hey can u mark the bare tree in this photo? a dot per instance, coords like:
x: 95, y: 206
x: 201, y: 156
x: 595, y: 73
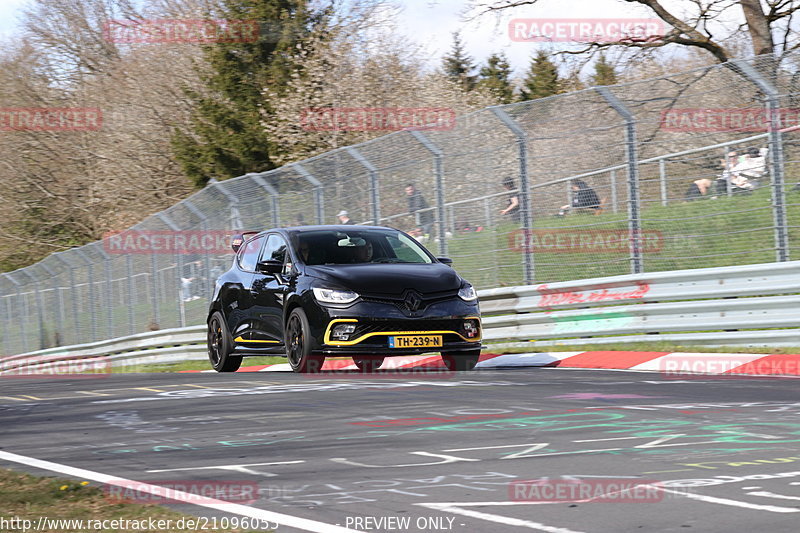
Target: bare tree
x: 767, y: 23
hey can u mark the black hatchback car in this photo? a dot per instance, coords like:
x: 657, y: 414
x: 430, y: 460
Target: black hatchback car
x: 365, y: 292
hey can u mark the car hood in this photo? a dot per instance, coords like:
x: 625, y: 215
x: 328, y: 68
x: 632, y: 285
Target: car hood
x: 388, y: 278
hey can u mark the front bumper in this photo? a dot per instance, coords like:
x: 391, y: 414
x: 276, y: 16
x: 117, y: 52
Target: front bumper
x: 374, y: 323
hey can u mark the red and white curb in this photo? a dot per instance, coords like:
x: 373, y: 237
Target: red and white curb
x: 673, y: 364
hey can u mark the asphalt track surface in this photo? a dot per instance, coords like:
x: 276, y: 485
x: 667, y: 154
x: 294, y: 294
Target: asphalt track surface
x: 435, y: 451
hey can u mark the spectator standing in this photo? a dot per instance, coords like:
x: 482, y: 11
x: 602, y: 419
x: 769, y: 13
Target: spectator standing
x: 416, y: 202
x: 344, y: 218
x: 512, y: 208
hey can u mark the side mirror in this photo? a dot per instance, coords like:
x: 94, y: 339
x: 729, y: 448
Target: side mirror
x: 269, y: 267
x: 445, y: 260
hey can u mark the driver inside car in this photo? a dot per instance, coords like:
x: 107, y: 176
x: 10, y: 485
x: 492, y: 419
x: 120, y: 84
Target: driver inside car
x: 363, y: 254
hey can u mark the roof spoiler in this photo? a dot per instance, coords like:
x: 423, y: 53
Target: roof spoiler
x: 238, y: 239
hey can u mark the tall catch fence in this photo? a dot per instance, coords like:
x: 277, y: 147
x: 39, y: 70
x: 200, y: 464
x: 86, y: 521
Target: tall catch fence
x: 639, y: 146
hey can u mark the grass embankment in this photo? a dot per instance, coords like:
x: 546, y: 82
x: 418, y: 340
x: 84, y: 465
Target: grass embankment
x: 27, y: 497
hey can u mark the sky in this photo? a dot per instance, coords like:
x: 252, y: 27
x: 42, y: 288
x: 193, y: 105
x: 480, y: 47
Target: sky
x: 431, y: 23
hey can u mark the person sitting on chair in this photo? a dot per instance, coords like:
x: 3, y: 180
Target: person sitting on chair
x: 583, y: 197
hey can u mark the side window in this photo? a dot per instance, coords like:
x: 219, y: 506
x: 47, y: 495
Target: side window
x: 248, y: 256
x: 275, y: 250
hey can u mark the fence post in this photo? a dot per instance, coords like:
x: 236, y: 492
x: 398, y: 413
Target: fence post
x: 662, y: 176
x: 318, y: 195
x: 273, y: 193
x: 92, y: 299
x: 73, y: 296
x: 109, y: 290
x: 634, y: 223
x: 614, y: 204
x: 233, y: 205
x: 131, y: 298
x: 439, y: 176
x: 776, y: 155
x: 21, y: 323
x: 206, y: 259
x: 524, y: 187
x: 58, y: 312
x: 373, y: 183
x: 178, y: 270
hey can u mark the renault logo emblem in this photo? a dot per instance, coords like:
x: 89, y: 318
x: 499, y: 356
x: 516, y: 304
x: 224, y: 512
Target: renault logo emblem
x: 413, y: 301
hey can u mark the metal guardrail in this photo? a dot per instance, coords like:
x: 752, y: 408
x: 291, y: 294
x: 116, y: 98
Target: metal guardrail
x: 756, y: 305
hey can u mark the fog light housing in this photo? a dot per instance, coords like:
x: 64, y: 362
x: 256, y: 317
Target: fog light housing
x: 471, y: 329
x: 342, y: 332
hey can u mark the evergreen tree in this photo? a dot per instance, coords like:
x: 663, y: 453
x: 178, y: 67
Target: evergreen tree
x: 227, y: 138
x: 542, y: 78
x: 496, y: 76
x: 458, y: 66
x: 604, y: 73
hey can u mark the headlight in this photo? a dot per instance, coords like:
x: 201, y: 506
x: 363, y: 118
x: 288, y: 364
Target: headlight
x: 332, y: 296
x: 467, y: 293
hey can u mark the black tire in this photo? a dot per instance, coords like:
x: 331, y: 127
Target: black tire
x: 297, y: 339
x: 220, y: 345
x: 461, y: 361
x: 368, y: 364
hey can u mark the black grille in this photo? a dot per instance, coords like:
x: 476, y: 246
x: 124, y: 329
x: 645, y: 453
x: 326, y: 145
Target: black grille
x: 365, y: 328
x: 401, y: 303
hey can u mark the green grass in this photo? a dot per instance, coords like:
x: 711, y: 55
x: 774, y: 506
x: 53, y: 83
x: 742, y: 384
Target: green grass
x: 30, y: 497
x: 193, y: 365
x: 704, y: 233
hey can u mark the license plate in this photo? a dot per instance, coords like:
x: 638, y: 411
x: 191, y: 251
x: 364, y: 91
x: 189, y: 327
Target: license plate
x: 415, y: 341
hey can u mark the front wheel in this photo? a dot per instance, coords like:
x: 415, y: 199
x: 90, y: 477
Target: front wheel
x: 220, y: 345
x: 461, y: 361
x: 298, y: 344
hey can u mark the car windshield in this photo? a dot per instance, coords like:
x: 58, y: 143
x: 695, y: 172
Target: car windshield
x: 353, y: 246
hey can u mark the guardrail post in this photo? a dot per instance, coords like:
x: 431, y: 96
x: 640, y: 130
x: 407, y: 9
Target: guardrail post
x: 526, y: 209
x: 438, y: 155
x: 273, y: 193
x: 318, y: 195
x: 775, y: 154
x: 58, y: 312
x: 178, y: 269
x: 21, y: 323
x: 373, y: 183
x: 634, y: 223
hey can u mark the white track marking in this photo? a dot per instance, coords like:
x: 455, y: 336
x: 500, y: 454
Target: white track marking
x: 727, y: 501
x: 226, y: 507
x: 506, y: 520
x: 245, y: 469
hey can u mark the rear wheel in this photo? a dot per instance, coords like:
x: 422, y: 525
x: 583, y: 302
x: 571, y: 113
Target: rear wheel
x: 461, y: 361
x: 298, y: 344
x: 368, y: 364
x: 220, y: 345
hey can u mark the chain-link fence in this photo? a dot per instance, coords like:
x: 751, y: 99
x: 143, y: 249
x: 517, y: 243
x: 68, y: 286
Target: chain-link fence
x: 639, y: 177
